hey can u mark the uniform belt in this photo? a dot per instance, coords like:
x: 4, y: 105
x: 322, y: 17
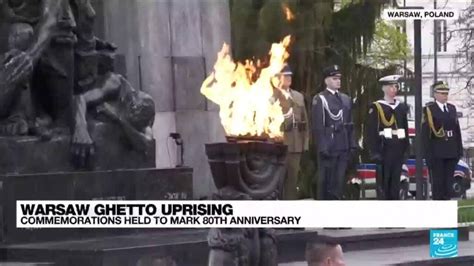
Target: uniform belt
x: 399, y: 133
x: 336, y: 128
x: 301, y: 126
x: 449, y: 133
x: 394, y: 133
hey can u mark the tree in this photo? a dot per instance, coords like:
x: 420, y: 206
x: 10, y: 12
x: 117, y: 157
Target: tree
x: 389, y: 47
x: 321, y: 36
x: 465, y: 59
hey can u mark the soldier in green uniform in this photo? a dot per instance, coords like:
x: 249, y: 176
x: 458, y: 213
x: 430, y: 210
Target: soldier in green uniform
x: 296, y: 135
x: 442, y: 141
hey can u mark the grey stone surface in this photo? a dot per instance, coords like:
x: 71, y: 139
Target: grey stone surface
x: 186, y: 38
x: 189, y: 247
x: 154, y: 31
x: 387, y: 256
x: 29, y: 155
x: 190, y: 33
x: 197, y: 128
x: 158, y: 80
x: 142, y: 184
x: 154, y: 26
x: 166, y: 153
x: 215, y: 128
x: 193, y: 126
x: 185, y: 246
x: 26, y: 264
x: 188, y: 74
x: 121, y: 27
x: 215, y: 29
x: 215, y: 32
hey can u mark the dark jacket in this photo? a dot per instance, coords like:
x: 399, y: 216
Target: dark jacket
x: 446, y: 144
x: 376, y: 143
x: 332, y: 136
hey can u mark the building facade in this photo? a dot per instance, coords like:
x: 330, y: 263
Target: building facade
x: 452, y: 65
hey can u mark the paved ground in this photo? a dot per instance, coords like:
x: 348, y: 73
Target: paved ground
x: 389, y: 256
x: 470, y: 192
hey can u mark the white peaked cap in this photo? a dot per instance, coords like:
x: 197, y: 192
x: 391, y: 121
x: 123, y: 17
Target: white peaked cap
x: 392, y: 79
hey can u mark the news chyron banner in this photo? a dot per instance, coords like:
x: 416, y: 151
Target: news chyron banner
x: 238, y: 214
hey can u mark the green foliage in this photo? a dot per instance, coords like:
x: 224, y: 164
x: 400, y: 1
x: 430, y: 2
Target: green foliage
x: 466, y: 211
x: 389, y: 46
x: 320, y: 37
x: 244, y: 24
x: 354, y: 26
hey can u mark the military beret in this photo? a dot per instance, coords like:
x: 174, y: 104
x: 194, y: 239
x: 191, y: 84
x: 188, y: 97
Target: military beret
x: 332, y: 70
x: 440, y: 86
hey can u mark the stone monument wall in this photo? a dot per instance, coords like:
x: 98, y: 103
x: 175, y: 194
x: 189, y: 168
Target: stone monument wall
x: 169, y: 47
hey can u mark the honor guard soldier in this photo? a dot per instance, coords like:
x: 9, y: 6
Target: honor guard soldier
x: 332, y: 130
x: 387, y: 138
x: 442, y: 141
x: 296, y: 132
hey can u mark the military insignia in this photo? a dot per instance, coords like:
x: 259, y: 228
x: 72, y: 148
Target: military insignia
x: 315, y: 100
x: 371, y: 110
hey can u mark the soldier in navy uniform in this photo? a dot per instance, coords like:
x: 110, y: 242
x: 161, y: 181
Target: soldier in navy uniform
x: 442, y: 141
x: 332, y: 130
x: 387, y: 138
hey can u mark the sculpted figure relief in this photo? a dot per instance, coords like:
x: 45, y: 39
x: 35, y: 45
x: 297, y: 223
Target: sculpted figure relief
x: 25, y: 48
x: 107, y: 94
x: 118, y: 102
x: 56, y: 75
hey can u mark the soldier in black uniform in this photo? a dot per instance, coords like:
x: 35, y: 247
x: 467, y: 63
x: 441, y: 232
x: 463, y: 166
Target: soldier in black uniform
x: 442, y: 141
x: 332, y: 130
x: 387, y: 138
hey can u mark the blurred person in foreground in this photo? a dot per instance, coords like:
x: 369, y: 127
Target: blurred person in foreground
x: 324, y: 254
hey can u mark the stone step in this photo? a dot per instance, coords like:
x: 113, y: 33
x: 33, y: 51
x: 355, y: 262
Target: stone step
x: 189, y: 246
x: 404, y: 255
x: 458, y: 261
x: 185, y: 247
x: 12, y: 263
x: 137, y: 184
x: 367, y: 239
x: 30, y: 155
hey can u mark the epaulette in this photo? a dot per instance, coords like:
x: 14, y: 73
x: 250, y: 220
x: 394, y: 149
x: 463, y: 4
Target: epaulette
x: 429, y: 103
x: 297, y: 94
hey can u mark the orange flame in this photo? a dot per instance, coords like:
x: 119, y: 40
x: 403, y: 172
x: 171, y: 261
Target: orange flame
x: 247, y: 105
x: 289, y: 15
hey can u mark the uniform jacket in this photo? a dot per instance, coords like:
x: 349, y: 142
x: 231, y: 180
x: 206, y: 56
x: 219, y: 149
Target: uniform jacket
x: 332, y: 136
x: 375, y: 142
x: 295, y: 126
x: 447, y: 146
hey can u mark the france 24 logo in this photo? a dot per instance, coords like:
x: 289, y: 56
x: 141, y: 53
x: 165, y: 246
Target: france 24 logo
x: 443, y: 243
